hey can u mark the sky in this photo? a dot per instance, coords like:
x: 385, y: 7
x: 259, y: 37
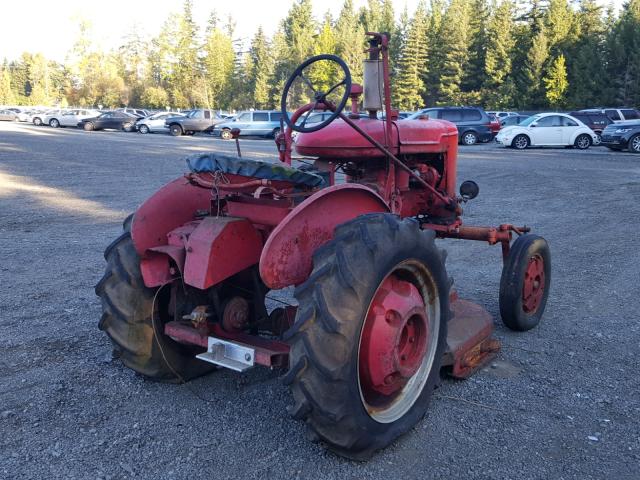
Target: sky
x: 50, y: 27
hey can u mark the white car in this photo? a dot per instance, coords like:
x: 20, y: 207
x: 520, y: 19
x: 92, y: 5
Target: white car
x: 47, y: 116
x: 502, y: 115
x: 21, y: 113
x: 155, y: 122
x: 70, y: 118
x: 547, y: 129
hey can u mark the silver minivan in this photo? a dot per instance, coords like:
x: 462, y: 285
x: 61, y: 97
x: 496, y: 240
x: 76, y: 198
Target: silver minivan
x: 264, y: 123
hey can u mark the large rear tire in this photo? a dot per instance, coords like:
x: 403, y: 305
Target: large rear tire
x: 127, y: 309
x: 334, y: 338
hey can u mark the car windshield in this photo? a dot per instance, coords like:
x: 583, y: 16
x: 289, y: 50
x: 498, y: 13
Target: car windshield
x: 530, y: 120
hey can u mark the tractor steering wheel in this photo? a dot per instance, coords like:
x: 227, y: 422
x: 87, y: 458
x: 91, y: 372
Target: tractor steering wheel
x: 317, y: 97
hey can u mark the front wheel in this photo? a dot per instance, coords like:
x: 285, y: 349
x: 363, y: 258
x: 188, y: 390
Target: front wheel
x: 127, y: 127
x: 520, y: 142
x: 598, y: 140
x: 275, y: 133
x: 525, y: 281
x: 583, y: 142
x: 37, y: 121
x: 634, y: 144
x: 88, y: 126
x: 54, y: 123
x: 175, y: 130
x: 369, y: 335
x: 143, y: 129
x: 225, y: 134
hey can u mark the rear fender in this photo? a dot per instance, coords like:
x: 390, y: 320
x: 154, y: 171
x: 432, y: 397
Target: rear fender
x: 170, y: 207
x: 287, y: 257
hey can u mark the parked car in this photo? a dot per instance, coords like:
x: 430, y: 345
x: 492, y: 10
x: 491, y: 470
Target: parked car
x: 616, y: 114
x: 155, y: 122
x: 36, y: 116
x: 108, y: 120
x: 20, y: 112
x: 595, y: 121
x: 512, y: 120
x: 474, y: 125
x: 619, y: 136
x: 70, y: 118
x: 495, y: 125
x: 48, y: 115
x: 136, y: 112
x: 501, y: 115
x: 8, y: 116
x: 198, y: 120
x: 265, y: 123
x: 547, y: 129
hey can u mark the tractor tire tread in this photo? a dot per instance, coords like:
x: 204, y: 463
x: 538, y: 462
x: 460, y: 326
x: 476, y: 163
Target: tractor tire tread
x: 320, y: 350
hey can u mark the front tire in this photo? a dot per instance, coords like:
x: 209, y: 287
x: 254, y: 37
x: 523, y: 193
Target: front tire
x: 525, y: 282
x: 598, y: 139
x: 225, y: 134
x: 175, y: 130
x: 335, y: 365
x: 143, y: 129
x: 127, y: 305
x: 54, y: 123
x: 520, y: 142
x: 88, y: 127
x: 582, y: 142
x: 37, y: 121
x: 275, y: 133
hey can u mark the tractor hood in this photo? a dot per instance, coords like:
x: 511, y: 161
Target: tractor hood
x: 340, y: 141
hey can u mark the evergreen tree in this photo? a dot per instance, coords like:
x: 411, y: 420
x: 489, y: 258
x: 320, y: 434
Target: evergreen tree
x: 624, y: 61
x: 586, y: 71
x: 480, y: 39
x: 454, y: 52
x: 350, y: 41
x: 218, y: 63
x: 6, y: 93
x: 498, y: 84
x: 556, y: 82
x: 262, y: 70
x: 409, y: 86
x: 437, y: 48
x: 535, y: 67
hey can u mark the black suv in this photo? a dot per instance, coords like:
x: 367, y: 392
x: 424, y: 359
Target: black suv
x: 621, y: 135
x: 596, y: 121
x: 474, y: 125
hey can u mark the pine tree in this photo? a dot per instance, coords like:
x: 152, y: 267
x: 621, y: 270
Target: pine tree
x: 535, y: 66
x: 624, y: 61
x: 480, y: 39
x: 409, y: 86
x: 437, y: 48
x: 262, y: 70
x: 498, y: 85
x: 324, y: 74
x: 586, y: 71
x: 218, y: 63
x: 6, y: 93
x: 350, y: 40
x: 555, y: 82
x: 454, y: 52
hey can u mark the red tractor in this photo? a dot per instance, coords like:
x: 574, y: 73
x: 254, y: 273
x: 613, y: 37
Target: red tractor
x: 353, y: 230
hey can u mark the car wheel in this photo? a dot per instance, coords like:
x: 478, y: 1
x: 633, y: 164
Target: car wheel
x: 54, y: 123
x: 37, y: 121
x: 582, y: 142
x: 88, y: 126
x: 469, y: 138
x: 127, y: 127
x: 143, y: 129
x: 634, y: 144
x: 275, y: 133
x: 520, y: 142
x: 226, y: 134
x: 175, y: 130
x: 598, y: 139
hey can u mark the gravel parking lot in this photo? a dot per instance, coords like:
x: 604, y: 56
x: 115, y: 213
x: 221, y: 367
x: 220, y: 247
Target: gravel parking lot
x: 561, y: 401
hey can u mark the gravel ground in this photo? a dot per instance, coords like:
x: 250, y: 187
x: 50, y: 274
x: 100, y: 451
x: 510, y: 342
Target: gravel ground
x: 561, y: 401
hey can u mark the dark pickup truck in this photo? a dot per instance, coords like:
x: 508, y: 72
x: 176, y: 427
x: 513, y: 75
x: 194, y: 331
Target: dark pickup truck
x: 198, y: 120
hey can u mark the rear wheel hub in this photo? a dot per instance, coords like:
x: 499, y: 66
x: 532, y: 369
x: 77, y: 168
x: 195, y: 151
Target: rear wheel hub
x: 394, y: 340
x: 533, y: 286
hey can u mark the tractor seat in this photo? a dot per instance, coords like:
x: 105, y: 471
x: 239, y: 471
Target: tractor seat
x: 216, y: 162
